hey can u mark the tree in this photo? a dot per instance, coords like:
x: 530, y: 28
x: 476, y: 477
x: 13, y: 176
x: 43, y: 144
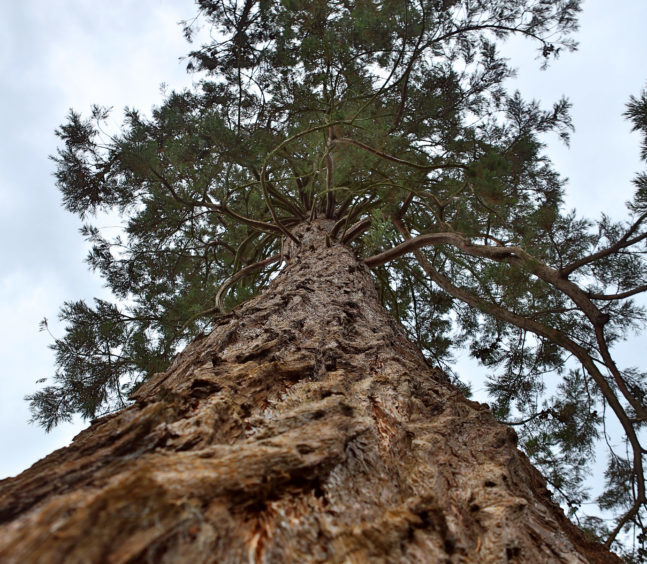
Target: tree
x: 304, y: 427
x: 385, y: 124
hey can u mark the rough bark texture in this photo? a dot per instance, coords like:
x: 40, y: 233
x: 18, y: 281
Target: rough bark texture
x: 304, y: 428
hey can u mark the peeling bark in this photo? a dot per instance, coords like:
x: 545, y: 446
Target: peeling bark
x: 304, y: 428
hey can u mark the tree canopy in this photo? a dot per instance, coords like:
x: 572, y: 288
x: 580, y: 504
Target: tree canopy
x: 392, y: 120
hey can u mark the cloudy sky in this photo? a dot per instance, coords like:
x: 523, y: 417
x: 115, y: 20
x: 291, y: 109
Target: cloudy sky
x: 61, y: 54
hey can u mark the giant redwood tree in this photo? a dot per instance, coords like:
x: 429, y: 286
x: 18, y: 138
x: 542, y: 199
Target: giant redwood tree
x: 348, y: 193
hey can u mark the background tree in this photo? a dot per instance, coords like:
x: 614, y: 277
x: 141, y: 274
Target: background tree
x: 391, y: 120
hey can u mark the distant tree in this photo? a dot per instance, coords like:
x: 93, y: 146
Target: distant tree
x: 391, y: 120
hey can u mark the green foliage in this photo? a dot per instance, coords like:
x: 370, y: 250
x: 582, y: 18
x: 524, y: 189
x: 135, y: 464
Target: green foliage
x: 392, y: 119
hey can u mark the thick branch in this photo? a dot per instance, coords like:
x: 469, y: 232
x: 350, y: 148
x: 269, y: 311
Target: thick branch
x: 356, y: 230
x: 256, y: 224
x: 270, y: 207
x: 512, y: 255
x: 411, y: 245
x: 342, y: 222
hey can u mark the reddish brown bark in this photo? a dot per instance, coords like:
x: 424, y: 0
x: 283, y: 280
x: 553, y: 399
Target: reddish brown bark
x: 304, y: 428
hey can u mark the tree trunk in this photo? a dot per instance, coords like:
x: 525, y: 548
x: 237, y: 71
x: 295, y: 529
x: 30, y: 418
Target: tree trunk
x: 304, y: 428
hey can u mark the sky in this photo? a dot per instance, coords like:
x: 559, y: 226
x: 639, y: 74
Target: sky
x: 62, y: 54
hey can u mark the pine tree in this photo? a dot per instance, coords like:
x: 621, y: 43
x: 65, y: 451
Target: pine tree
x: 386, y: 125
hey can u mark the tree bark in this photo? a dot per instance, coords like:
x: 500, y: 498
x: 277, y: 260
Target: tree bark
x: 304, y: 428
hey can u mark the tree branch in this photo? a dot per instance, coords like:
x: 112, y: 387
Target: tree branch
x: 383, y: 155
x: 288, y: 205
x: 330, y: 172
x: 240, y: 274
x: 356, y: 230
x: 620, y: 295
x: 522, y: 259
x: 622, y: 243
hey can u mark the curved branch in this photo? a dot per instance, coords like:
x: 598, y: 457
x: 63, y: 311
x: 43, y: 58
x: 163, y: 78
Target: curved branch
x: 386, y: 156
x: 241, y: 249
x: 356, y: 230
x: 543, y: 413
x: 195, y: 316
x: 625, y: 519
x: 219, y: 208
x: 263, y: 172
x: 240, y: 274
x: 618, y: 296
x: 256, y: 224
x: 170, y: 188
x: 270, y: 207
x: 338, y: 225
x: 411, y: 245
x: 287, y: 204
x: 330, y: 173
x: 512, y: 255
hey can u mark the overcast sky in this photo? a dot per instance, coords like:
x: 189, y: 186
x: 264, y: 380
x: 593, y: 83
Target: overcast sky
x: 61, y: 54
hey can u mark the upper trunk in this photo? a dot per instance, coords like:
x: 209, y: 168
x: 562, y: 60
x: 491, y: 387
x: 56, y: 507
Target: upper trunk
x: 305, y: 427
